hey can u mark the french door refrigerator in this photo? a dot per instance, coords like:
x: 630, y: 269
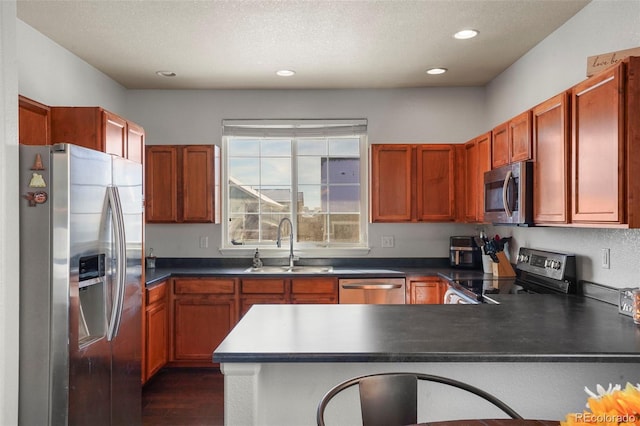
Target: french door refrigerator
x: 81, y: 235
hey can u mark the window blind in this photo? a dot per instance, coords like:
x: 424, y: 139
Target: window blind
x: 294, y: 128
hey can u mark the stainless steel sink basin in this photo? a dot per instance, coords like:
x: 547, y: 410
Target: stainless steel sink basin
x: 290, y: 270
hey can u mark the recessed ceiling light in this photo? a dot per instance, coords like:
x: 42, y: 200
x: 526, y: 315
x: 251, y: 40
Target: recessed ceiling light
x: 434, y: 71
x: 166, y: 73
x: 285, y: 73
x: 465, y: 34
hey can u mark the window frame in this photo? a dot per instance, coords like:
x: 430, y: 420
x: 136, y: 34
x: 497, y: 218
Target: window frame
x: 300, y: 248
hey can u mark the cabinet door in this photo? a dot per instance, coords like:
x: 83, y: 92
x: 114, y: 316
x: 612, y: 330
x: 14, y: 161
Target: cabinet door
x: 500, y: 146
x: 115, y: 134
x: 425, y: 290
x: 314, y: 290
x: 435, y: 182
x: 262, y: 291
x: 551, y: 166
x: 200, y: 325
x: 598, y: 148
x: 155, y: 342
x: 520, y: 137
x: 161, y: 184
x: 391, y: 183
x: 157, y: 338
x: 471, y: 184
x: 246, y: 302
x: 135, y: 142
x: 197, y: 183
x: 484, y: 165
x: 34, y: 122
x: 78, y: 125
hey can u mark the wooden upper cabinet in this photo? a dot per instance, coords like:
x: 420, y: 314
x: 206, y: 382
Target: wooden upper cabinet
x: 161, y: 183
x: 598, y: 147
x: 476, y: 161
x: 197, y: 183
x: 411, y: 183
x: 135, y: 142
x: 183, y: 183
x: 435, y: 183
x: 551, y: 129
x: 500, y: 146
x: 34, y: 122
x: 115, y: 134
x: 484, y: 165
x: 391, y: 168
x: 96, y: 128
x: 512, y: 141
x: 520, y: 137
x: 471, y: 184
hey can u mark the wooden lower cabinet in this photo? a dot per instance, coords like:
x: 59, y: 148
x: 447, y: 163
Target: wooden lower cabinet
x: 262, y: 291
x: 314, y: 290
x: 425, y: 290
x: 204, y: 311
x: 319, y: 290
x: 156, y: 330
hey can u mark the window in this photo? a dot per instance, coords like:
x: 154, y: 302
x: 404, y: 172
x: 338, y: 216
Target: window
x: 312, y: 173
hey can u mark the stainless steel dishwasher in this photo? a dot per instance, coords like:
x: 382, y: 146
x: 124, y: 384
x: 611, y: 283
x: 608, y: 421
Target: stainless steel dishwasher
x: 374, y: 291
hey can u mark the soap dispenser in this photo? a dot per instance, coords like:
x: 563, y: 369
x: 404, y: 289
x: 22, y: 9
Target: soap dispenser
x: 257, y: 263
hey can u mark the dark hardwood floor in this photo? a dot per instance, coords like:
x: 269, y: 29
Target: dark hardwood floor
x: 184, y: 397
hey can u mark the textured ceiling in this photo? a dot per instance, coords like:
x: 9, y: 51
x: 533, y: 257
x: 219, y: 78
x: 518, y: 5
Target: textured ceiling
x: 330, y: 44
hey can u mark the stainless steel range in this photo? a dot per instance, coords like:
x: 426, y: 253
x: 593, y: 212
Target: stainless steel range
x: 538, y: 271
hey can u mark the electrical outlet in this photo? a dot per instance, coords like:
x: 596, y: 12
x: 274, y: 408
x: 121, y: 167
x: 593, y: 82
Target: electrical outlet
x: 388, y: 241
x: 204, y: 242
x: 605, y: 255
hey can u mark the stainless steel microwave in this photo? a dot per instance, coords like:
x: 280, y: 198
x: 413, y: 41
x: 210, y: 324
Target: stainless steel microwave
x: 508, y: 194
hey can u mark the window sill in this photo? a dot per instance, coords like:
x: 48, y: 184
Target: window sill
x: 248, y: 251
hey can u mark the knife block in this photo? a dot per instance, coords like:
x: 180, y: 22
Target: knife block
x: 503, y: 268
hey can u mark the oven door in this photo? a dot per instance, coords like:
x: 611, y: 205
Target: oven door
x: 508, y: 194
x: 453, y: 297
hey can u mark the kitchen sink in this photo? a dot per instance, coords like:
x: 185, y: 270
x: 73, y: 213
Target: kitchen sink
x: 291, y: 270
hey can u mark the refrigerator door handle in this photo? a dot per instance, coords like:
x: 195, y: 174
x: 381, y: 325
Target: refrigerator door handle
x: 121, y: 261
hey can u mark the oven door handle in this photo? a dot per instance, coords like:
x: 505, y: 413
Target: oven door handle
x: 505, y: 190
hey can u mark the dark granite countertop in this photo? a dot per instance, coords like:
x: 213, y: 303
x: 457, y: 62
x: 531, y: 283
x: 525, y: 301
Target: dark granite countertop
x: 523, y: 328
x: 341, y: 268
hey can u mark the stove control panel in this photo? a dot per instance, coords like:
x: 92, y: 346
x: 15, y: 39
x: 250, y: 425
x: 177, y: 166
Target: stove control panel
x: 554, y: 265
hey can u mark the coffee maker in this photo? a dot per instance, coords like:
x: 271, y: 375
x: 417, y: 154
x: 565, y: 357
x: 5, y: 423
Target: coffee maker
x: 464, y: 253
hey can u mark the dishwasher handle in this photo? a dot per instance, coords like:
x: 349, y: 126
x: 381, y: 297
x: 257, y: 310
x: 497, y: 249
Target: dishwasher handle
x: 371, y: 286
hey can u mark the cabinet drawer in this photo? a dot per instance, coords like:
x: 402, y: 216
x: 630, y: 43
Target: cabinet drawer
x: 199, y: 286
x: 313, y: 285
x: 156, y: 293
x: 274, y: 286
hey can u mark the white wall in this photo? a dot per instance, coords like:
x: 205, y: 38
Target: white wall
x: 52, y: 75
x: 556, y: 64
x: 9, y: 261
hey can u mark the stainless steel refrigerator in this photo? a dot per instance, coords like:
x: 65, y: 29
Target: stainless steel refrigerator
x: 81, y: 234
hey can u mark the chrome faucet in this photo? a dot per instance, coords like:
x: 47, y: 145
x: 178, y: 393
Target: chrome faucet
x: 279, y: 239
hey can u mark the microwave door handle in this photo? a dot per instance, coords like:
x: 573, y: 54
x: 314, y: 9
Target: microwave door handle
x: 505, y: 190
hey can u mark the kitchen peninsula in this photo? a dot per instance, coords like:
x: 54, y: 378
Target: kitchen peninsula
x: 535, y: 352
